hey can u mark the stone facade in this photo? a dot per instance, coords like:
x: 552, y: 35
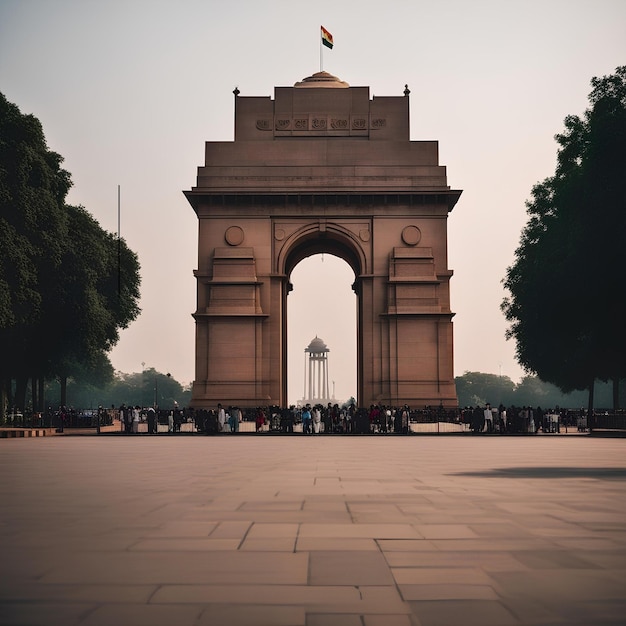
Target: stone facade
x: 322, y: 167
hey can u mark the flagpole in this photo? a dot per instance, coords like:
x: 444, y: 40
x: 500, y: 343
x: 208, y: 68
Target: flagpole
x: 119, y: 245
x: 321, y: 50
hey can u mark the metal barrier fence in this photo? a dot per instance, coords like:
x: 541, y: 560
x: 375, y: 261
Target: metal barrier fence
x: 608, y: 421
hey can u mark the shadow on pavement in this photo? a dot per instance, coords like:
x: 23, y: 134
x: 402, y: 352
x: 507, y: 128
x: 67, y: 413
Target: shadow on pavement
x: 602, y: 473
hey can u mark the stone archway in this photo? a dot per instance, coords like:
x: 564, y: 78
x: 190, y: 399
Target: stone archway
x: 307, y: 241
x: 323, y: 168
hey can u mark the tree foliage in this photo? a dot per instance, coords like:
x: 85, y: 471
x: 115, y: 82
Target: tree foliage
x: 143, y: 389
x: 567, y: 302
x: 477, y: 388
x: 66, y: 285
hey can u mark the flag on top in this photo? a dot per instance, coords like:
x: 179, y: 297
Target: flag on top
x: 327, y: 38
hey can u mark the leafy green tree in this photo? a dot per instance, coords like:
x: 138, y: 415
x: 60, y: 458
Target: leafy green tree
x: 33, y: 226
x: 476, y: 388
x: 66, y: 285
x: 91, y: 301
x: 567, y: 302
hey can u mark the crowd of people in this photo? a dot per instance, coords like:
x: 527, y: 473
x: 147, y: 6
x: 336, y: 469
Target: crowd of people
x: 309, y: 420
x: 350, y: 419
x: 524, y: 419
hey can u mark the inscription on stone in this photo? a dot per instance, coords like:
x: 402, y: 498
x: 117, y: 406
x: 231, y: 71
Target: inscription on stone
x: 319, y: 123
x: 339, y: 124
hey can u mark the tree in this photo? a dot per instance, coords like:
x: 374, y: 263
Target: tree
x: 66, y: 285
x: 567, y: 301
x: 33, y: 226
x: 476, y: 388
x: 94, y: 298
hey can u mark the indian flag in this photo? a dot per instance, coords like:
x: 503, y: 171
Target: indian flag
x: 327, y: 38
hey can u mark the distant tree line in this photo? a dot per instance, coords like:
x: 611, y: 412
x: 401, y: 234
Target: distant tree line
x: 476, y: 388
x: 66, y: 286
x: 144, y: 389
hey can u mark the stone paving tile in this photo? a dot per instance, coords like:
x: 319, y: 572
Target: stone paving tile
x: 565, y: 584
x: 407, y: 545
x: 252, y: 615
x: 463, y: 612
x: 337, y: 619
x: 348, y: 568
x: 266, y: 531
x: 274, y: 544
x: 143, y: 615
x: 488, y: 561
x: 261, y: 594
x: 312, y: 544
x: 231, y: 530
x: 440, y: 576
x: 17, y: 591
x: 553, y: 559
x: 185, y: 529
x: 36, y: 613
x: 185, y: 545
x: 447, y: 592
x: 415, y: 530
x: 367, y: 531
x: 167, y: 567
x: 445, y: 531
x: 387, y: 620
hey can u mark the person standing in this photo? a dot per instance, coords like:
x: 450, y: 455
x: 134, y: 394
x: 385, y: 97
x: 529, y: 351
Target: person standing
x: 317, y: 419
x: 236, y: 419
x: 152, y: 421
x: 260, y: 419
x: 306, y: 419
x: 221, y: 418
x: 136, y: 418
x: 488, y: 418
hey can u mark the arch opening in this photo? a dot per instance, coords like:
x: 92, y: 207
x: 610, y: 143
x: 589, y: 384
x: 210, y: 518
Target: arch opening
x: 321, y: 303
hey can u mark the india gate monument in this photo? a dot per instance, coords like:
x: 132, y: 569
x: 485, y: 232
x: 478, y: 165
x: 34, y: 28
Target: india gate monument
x: 322, y: 167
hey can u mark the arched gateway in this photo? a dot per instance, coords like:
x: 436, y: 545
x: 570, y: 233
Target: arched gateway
x: 323, y: 168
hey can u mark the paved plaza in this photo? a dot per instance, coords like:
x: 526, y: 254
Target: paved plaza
x: 269, y: 530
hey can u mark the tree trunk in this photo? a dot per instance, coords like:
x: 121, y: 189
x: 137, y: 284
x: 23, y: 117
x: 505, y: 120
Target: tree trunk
x: 19, y: 401
x: 4, y: 398
x: 41, y: 384
x: 63, y: 381
x: 616, y: 393
x: 590, y: 404
x: 33, y: 394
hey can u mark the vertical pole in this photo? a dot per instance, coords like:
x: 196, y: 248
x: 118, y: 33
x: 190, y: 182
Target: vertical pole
x: 119, y: 245
x: 321, y: 50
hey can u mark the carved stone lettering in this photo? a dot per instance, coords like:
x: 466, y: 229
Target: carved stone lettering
x: 318, y: 123
x: 264, y: 124
x: 339, y: 124
x: 379, y: 122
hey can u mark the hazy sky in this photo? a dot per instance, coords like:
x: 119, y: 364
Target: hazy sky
x: 129, y: 91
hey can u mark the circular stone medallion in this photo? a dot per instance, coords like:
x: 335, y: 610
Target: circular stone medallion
x: 411, y: 235
x: 234, y: 235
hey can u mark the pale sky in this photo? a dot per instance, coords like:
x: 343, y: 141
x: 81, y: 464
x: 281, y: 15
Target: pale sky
x: 129, y: 91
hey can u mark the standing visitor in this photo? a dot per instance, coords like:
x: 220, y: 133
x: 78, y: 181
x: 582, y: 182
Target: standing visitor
x: 306, y: 419
x: 260, y: 419
x: 221, y: 418
x: 317, y: 419
x: 405, y: 419
x: 136, y: 418
x: 488, y: 418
